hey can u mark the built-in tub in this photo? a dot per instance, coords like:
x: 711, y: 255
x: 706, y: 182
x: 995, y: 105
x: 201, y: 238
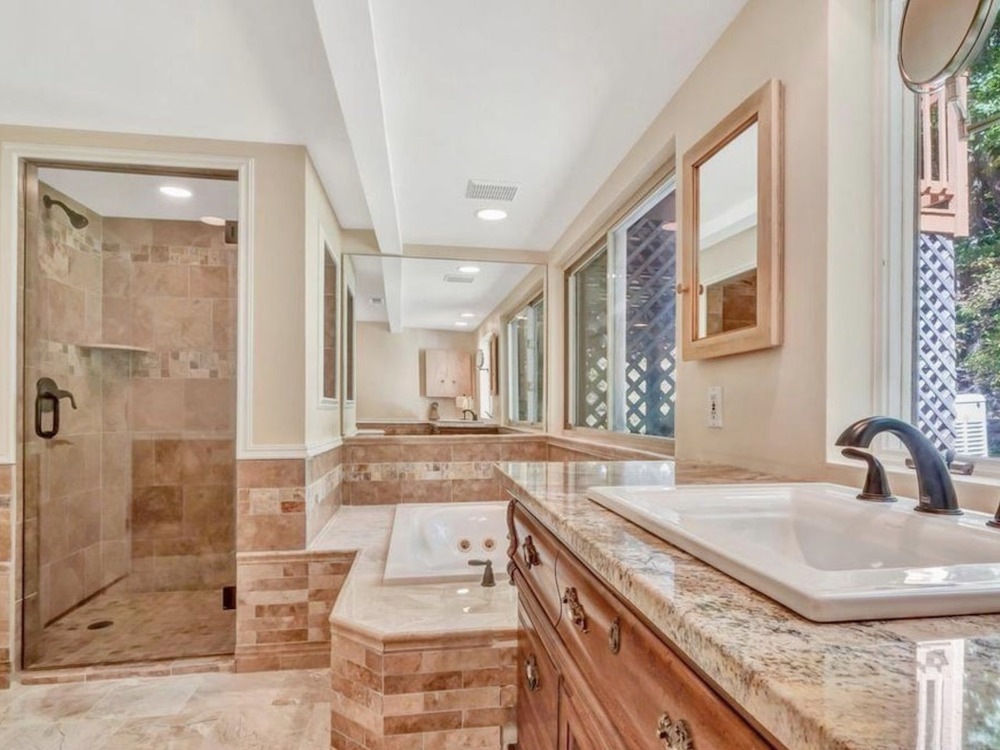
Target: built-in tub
x: 433, y: 543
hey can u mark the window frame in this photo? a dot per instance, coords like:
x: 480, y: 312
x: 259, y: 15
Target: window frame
x: 349, y: 379
x: 512, y: 392
x: 897, y: 229
x: 326, y: 253
x: 655, y: 189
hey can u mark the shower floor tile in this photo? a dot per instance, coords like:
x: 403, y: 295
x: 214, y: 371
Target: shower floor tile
x: 286, y: 710
x: 146, y: 626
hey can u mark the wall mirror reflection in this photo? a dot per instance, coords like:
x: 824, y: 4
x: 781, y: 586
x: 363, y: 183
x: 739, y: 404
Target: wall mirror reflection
x: 732, y: 232
x: 432, y: 344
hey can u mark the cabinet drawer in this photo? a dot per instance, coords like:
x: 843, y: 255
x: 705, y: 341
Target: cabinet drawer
x: 534, y: 552
x: 644, y: 684
x: 537, y: 689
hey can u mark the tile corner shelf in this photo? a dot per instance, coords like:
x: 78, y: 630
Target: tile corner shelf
x: 114, y: 347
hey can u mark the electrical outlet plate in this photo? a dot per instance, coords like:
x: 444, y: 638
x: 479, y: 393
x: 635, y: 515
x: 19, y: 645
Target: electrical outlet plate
x: 714, y: 414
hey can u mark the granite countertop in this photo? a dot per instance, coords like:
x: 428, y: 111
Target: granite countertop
x: 879, y: 685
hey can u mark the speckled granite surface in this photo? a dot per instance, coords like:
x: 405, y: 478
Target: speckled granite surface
x: 881, y: 685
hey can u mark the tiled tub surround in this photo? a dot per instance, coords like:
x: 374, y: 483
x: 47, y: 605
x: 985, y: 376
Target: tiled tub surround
x: 284, y: 591
x: 324, y: 490
x: 849, y: 686
x: 283, y: 607
x: 426, y: 666
x: 384, y: 470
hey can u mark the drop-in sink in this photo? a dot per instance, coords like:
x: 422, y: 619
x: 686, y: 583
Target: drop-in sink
x: 821, y: 552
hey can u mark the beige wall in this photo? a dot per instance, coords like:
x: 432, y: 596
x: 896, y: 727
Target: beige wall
x: 323, y: 418
x: 390, y: 371
x: 278, y: 262
x: 774, y: 400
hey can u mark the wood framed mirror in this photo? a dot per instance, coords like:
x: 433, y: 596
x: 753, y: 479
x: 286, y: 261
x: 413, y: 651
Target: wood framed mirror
x: 731, y: 235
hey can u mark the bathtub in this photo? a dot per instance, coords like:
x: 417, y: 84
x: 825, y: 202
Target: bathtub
x: 433, y: 543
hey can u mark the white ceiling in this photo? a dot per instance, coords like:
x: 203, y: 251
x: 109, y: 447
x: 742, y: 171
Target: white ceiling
x: 398, y: 102
x: 547, y: 95
x: 428, y: 301
x: 138, y: 196
x: 251, y: 70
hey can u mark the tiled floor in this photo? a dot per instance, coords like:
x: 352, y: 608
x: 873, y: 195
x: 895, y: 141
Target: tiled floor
x: 258, y: 711
x: 159, y: 625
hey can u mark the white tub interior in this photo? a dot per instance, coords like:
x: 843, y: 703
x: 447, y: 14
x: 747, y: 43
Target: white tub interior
x: 434, y: 543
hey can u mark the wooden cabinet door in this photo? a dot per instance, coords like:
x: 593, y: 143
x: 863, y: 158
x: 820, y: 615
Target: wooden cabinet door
x: 583, y: 725
x: 538, y: 689
x: 447, y: 373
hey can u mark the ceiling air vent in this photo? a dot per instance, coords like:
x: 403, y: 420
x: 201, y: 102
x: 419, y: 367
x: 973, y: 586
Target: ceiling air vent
x: 482, y: 190
x: 458, y: 278
x: 375, y: 300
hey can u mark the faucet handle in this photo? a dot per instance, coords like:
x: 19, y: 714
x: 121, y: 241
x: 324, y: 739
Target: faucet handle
x: 876, y: 487
x: 488, y: 579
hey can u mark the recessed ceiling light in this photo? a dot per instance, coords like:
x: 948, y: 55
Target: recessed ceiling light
x: 468, y: 315
x: 461, y: 323
x: 174, y: 191
x: 468, y: 269
x: 491, y: 214
x: 213, y: 221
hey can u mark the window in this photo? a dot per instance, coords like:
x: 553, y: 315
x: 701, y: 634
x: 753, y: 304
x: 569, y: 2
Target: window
x: 349, y: 346
x: 526, y: 342
x: 623, y: 321
x: 955, y: 375
x: 329, y: 324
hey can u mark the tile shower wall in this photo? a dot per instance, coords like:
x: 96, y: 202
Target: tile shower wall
x: 169, y: 289
x: 76, y: 486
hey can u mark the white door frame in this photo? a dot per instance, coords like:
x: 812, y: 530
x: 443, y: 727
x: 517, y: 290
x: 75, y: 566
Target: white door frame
x: 12, y: 154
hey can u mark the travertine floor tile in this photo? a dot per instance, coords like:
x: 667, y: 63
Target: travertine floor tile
x: 260, y: 711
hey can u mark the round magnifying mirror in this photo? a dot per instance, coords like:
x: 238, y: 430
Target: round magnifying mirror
x: 938, y: 38
x: 480, y: 358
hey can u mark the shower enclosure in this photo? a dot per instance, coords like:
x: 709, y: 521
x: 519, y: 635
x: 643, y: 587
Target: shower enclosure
x: 128, y: 435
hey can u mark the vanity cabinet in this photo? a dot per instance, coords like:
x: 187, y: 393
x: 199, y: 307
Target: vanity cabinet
x: 447, y: 373
x: 593, y: 675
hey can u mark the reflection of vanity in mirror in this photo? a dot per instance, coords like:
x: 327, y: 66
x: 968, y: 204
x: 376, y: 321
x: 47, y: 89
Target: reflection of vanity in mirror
x: 732, y: 232
x: 428, y: 335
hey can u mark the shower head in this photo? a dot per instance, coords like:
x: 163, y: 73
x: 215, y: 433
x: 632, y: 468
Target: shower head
x: 79, y: 221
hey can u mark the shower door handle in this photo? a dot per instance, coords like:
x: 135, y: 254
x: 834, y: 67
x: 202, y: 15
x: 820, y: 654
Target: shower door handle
x: 47, y: 397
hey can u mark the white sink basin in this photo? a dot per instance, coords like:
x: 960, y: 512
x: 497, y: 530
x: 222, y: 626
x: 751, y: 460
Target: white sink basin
x: 821, y: 552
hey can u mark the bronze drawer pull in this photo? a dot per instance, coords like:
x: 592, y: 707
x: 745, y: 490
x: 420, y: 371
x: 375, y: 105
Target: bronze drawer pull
x: 531, y: 676
x: 576, y: 613
x: 615, y: 636
x: 529, y: 553
x: 676, y: 735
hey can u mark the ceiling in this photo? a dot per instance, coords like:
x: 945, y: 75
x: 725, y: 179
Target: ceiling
x: 399, y: 103
x: 428, y: 300
x: 252, y: 70
x: 549, y: 96
x: 138, y: 196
